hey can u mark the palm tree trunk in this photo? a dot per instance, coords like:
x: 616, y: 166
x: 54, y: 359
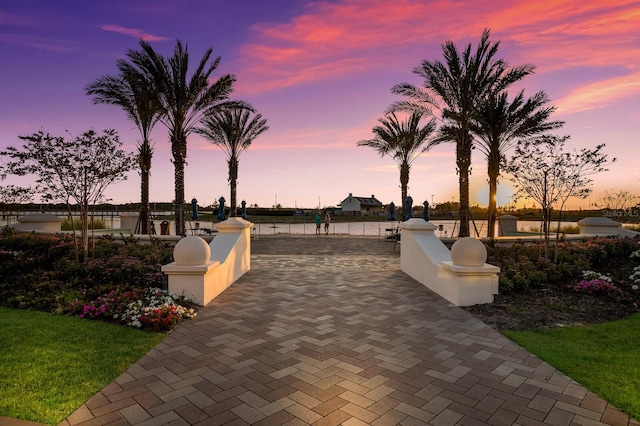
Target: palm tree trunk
x: 144, y: 201
x: 492, y: 212
x: 494, y: 172
x: 233, y: 178
x: 404, y: 183
x: 144, y: 161
x: 179, y: 148
x: 463, y: 161
x: 179, y: 180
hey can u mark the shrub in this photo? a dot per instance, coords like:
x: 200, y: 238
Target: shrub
x: 565, y: 229
x: 77, y: 224
x: 523, y: 266
x: 505, y: 284
x: 40, y: 272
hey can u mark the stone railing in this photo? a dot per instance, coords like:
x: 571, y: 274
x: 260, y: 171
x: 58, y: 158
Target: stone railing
x: 38, y: 222
x: 202, y: 271
x: 461, y: 275
x: 603, y: 226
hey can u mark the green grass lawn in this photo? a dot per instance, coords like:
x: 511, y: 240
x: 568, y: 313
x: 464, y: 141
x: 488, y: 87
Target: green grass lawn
x: 604, y: 358
x: 51, y: 364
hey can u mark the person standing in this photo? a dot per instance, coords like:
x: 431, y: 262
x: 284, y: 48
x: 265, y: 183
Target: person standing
x: 318, y: 223
x: 327, y: 221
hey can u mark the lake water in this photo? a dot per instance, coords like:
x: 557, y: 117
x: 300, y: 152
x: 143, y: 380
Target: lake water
x: 446, y: 228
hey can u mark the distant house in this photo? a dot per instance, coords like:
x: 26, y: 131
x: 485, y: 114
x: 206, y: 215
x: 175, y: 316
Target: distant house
x: 361, y: 205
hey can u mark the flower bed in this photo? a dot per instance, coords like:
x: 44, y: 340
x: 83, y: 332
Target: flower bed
x: 122, y: 283
x: 594, y: 281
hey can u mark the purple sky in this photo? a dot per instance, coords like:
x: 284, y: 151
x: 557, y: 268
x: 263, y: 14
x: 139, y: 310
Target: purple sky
x: 321, y: 73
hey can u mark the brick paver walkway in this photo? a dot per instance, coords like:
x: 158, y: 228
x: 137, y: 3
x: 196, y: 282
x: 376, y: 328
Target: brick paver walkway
x: 327, y: 331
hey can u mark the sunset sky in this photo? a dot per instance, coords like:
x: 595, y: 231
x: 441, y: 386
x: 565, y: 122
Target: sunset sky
x: 320, y: 73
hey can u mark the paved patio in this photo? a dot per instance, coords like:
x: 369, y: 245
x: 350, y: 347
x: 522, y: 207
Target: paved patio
x: 327, y: 330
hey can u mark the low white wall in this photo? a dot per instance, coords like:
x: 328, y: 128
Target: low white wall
x: 464, y: 280
x: 201, y: 272
x: 129, y: 221
x: 604, y: 226
x: 39, y: 222
x: 232, y: 248
x: 507, y: 225
x: 421, y: 251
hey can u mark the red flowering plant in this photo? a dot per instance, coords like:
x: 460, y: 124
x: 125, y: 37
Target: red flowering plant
x: 158, y: 310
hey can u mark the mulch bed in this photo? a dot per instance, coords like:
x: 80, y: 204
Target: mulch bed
x: 551, y: 307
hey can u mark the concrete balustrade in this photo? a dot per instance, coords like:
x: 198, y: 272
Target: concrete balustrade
x: 202, y: 271
x: 461, y: 275
x: 39, y: 222
x: 507, y: 225
x: 604, y: 226
x: 129, y: 221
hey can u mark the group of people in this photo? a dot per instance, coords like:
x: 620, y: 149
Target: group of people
x: 327, y: 221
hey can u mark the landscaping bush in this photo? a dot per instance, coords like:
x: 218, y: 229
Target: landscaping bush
x: 77, y: 224
x: 524, y: 266
x: 40, y: 272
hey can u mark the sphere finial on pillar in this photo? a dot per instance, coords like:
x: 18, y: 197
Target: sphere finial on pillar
x: 191, y: 251
x: 468, y: 252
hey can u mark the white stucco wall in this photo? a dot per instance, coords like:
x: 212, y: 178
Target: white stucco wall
x: 229, y: 260
x: 427, y: 260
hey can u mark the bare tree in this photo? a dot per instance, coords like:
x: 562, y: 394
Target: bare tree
x: 543, y: 171
x: 619, y: 200
x: 11, y: 196
x: 78, y: 169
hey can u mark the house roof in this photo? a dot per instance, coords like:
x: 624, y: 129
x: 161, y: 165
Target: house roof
x: 365, y: 201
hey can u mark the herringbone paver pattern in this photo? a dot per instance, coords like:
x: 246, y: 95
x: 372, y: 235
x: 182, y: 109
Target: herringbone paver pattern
x: 329, y: 331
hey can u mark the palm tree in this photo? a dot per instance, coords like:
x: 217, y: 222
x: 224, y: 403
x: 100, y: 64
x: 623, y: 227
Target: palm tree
x: 233, y: 130
x: 132, y: 91
x: 403, y: 141
x: 185, y: 100
x: 500, y: 124
x: 455, y: 88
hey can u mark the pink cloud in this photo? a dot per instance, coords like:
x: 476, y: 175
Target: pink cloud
x: 600, y: 94
x: 133, y: 32
x: 343, y: 38
x: 330, y: 40
x: 565, y: 34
